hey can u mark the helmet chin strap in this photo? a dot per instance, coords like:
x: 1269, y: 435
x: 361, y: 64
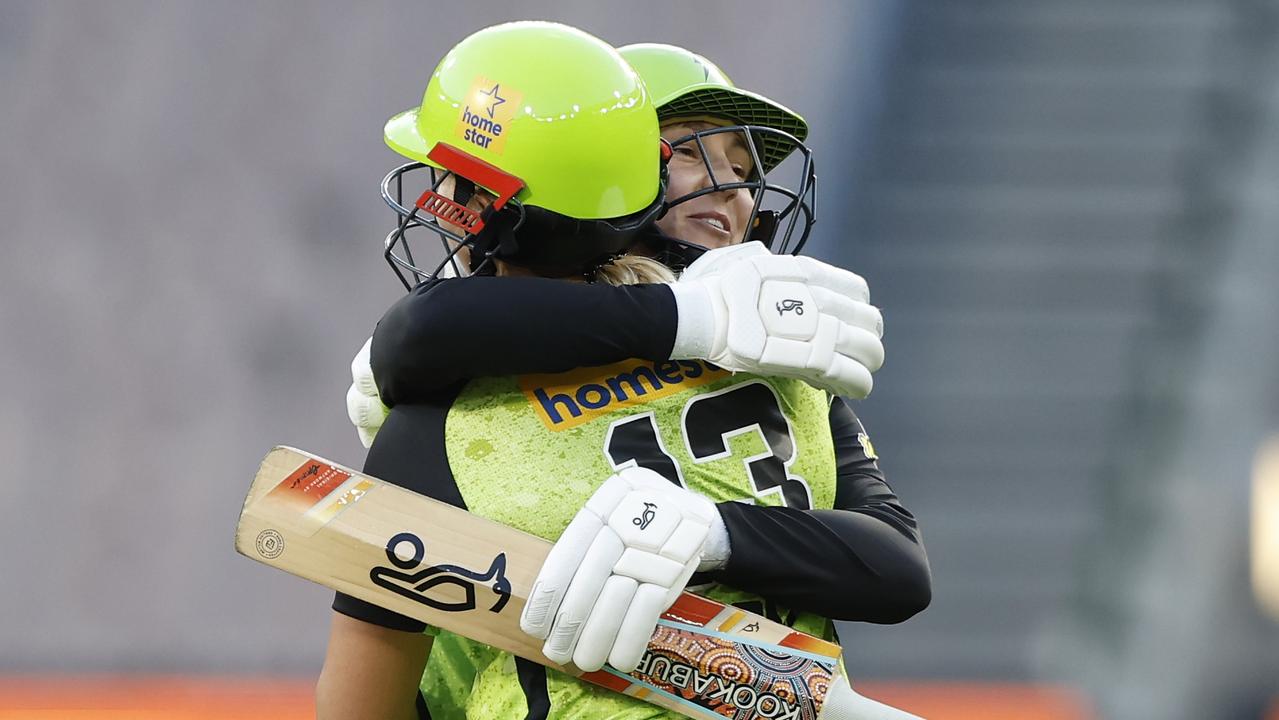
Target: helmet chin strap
x: 463, y: 189
x: 669, y: 250
x: 497, y: 238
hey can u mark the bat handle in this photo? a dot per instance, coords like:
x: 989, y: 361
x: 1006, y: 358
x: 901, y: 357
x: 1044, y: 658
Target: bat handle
x: 842, y: 703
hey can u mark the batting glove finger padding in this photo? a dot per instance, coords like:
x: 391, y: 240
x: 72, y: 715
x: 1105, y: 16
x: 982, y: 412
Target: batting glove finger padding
x: 363, y: 404
x: 747, y: 310
x: 620, y: 563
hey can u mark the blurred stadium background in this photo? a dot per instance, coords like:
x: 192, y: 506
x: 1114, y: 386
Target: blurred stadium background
x: 1069, y: 212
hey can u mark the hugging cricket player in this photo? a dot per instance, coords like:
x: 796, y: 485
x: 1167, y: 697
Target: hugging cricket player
x: 641, y: 533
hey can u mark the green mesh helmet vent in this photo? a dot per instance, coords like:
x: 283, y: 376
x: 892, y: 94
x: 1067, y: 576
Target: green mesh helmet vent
x: 687, y: 85
x: 741, y: 109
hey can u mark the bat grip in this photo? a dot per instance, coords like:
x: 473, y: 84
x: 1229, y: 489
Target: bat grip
x: 842, y: 703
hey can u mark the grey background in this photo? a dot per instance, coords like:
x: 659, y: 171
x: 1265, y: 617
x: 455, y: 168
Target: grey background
x: 1066, y: 210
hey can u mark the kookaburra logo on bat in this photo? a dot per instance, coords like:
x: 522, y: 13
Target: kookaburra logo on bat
x: 421, y: 585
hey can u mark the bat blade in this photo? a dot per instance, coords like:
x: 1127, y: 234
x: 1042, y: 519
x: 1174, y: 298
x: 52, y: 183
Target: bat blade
x: 469, y: 575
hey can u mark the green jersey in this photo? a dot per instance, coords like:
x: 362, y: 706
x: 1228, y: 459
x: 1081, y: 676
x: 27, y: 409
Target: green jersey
x: 529, y: 451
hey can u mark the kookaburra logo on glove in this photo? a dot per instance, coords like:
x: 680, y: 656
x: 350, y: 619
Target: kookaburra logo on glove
x: 788, y: 305
x: 647, y: 516
x: 747, y: 310
x: 618, y: 565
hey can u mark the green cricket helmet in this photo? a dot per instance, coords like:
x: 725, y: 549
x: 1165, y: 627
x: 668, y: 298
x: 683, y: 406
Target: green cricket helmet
x: 551, y: 123
x: 685, y: 85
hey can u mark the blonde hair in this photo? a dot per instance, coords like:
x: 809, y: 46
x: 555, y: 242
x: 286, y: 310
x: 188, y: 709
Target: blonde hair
x: 633, y: 270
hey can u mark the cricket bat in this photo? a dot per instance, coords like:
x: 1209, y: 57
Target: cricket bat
x: 450, y: 569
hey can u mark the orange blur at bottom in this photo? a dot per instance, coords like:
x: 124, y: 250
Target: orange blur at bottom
x: 131, y: 697
x: 980, y: 701
x: 104, y: 697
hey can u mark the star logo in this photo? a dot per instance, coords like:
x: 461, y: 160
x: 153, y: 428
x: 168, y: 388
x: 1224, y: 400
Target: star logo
x: 493, y: 100
x: 482, y: 120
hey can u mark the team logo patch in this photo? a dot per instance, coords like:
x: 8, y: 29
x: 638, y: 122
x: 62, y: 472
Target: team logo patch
x: 864, y: 440
x: 486, y: 113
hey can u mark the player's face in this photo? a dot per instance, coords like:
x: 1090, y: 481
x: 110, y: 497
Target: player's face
x: 715, y: 219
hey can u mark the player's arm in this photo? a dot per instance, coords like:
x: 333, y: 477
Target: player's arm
x: 863, y: 560
x: 740, y: 307
x: 370, y: 671
x: 410, y: 452
x: 377, y: 655
x: 452, y: 329
x: 373, y: 665
x: 638, y: 540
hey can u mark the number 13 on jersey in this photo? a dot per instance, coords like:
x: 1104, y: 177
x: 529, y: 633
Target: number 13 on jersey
x: 708, y: 423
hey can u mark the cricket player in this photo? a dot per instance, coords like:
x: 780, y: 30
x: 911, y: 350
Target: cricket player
x: 814, y: 533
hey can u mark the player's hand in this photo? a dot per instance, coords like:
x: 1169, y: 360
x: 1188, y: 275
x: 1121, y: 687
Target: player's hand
x: 618, y: 566
x: 747, y: 310
x: 363, y: 404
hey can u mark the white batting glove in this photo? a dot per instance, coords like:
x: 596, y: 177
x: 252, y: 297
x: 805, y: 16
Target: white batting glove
x: 363, y: 404
x: 747, y: 310
x: 620, y: 563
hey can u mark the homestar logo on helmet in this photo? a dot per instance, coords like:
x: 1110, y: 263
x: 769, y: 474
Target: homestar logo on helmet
x: 487, y: 112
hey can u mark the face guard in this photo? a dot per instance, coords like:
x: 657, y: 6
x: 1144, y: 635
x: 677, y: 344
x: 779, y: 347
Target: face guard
x: 397, y: 249
x: 546, y: 242
x: 781, y: 218
x: 431, y: 208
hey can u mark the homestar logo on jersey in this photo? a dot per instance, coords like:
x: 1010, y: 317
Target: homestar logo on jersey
x: 486, y: 114
x: 566, y: 400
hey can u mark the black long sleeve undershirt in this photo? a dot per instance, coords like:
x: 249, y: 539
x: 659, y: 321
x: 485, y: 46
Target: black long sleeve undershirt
x: 863, y: 560
x: 454, y: 329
